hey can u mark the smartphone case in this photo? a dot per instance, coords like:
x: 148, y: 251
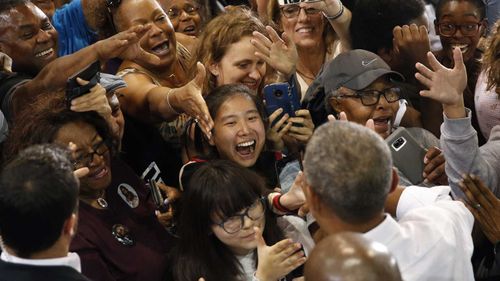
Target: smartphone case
x: 407, y: 154
x: 281, y: 95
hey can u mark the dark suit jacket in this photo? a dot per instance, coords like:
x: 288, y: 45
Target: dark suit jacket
x: 20, y: 272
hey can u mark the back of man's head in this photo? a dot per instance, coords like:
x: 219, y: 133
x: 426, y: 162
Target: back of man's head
x: 348, y: 256
x: 349, y: 168
x: 38, y: 193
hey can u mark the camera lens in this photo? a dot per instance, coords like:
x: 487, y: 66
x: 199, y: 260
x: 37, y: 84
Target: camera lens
x: 278, y: 93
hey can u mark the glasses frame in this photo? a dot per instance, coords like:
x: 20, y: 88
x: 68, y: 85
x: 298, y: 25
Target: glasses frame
x: 86, y: 159
x: 309, y: 11
x: 361, y: 94
x: 459, y: 26
x: 261, y: 200
x: 195, y: 10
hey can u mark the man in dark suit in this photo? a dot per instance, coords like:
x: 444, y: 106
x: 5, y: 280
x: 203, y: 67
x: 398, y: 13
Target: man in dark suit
x: 38, y: 203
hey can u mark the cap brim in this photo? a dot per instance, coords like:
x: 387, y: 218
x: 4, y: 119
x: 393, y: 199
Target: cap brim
x: 365, y: 79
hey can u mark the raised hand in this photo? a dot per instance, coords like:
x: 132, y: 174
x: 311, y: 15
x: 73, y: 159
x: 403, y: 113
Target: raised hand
x: 434, y: 171
x: 279, y: 53
x: 188, y: 99
x: 343, y: 117
x: 295, y: 197
x: 411, y: 43
x: 277, y: 260
x: 484, y: 205
x: 126, y: 45
x: 445, y: 85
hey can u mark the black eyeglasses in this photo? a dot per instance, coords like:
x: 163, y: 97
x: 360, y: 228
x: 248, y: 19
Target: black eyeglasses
x: 112, y: 4
x: 174, y: 12
x: 86, y: 159
x: 449, y: 29
x: 235, y: 223
x: 293, y: 10
x: 372, y: 97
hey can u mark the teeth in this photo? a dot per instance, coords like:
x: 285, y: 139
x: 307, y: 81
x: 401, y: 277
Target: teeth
x: 245, y: 144
x: 44, y: 53
x: 463, y: 47
x: 304, y: 29
x: 161, y: 47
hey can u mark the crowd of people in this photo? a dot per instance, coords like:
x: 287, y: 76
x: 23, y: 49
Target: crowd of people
x: 264, y: 140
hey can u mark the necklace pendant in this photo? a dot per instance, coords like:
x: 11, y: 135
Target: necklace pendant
x: 102, y: 202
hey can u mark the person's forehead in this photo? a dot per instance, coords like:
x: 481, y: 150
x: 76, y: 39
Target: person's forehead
x: 22, y: 15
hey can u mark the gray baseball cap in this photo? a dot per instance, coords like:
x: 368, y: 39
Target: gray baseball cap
x: 356, y: 70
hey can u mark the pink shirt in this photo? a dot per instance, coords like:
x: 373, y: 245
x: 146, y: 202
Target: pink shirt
x: 487, y: 106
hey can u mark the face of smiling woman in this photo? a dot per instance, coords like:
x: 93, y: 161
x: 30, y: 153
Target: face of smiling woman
x: 239, y: 132
x: 240, y: 65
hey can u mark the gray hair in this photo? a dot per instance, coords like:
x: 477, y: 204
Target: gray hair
x: 349, y: 167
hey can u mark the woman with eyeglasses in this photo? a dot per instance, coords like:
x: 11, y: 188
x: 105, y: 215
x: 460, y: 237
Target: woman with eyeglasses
x: 118, y: 236
x: 360, y: 86
x: 461, y: 23
x: 319, y: 29
x: 230, y: 233
x: 184, y: 15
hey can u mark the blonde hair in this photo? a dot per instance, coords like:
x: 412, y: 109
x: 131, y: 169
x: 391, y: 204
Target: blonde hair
x: 219, y: 34
x: 491, y: 57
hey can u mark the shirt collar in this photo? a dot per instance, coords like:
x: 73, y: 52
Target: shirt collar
x: 72, y: 260
x: 384, y: 232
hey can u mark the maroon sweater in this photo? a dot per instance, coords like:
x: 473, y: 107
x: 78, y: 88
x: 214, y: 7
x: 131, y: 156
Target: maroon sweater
x: 103, y: 257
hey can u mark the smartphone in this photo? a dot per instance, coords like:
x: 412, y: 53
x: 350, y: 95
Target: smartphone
x: 161, y: 205
x: 407, y: 154
x: 89, y: 73
x: 281, y: 95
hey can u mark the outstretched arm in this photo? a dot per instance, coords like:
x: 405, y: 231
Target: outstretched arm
x: 458, y: 138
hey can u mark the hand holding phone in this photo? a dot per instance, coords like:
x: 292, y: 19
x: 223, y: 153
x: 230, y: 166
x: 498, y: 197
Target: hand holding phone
x: 161, y: 205
x: 89, y: 73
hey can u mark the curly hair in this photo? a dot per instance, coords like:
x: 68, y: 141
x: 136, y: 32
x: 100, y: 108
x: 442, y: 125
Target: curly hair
x: 40, y: 122
x: 491, y: 57
x: 218, y: 36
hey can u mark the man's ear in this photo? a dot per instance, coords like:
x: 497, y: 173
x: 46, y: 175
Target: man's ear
x: 395, y: 179
x: 70, y: 225
x: 312, y: 200
x: 214, y: 69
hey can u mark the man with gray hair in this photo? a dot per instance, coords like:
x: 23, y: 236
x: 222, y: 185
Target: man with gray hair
x: 350, y: 184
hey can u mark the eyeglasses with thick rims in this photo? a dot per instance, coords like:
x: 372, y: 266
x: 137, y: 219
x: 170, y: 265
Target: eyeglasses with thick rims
x: 86, y: 159
x: 293, y: 10
x: 174, y: 13
x: 468, y: 29
x: 372, y: 97
x: 235, y: 223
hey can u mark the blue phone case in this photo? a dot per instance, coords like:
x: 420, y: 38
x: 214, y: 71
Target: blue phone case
x: 281, y: 95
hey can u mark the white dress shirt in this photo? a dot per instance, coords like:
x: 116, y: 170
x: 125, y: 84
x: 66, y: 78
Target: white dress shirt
x: 71, y: 260
x: 432, y: 238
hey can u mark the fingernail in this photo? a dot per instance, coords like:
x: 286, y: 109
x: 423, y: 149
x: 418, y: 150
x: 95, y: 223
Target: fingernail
x: 424, y: 175
x: 426, y: 160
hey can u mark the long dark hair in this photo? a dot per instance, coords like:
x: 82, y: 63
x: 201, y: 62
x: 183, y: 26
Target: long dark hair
x: 40, y: 122
x: 217, y: 187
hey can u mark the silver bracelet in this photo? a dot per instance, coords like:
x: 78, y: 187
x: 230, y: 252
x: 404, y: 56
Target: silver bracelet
x: 168, y: 102
x: 336, y: 16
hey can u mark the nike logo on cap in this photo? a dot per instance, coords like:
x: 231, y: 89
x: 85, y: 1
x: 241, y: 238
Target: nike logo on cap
x: 366, y: 63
